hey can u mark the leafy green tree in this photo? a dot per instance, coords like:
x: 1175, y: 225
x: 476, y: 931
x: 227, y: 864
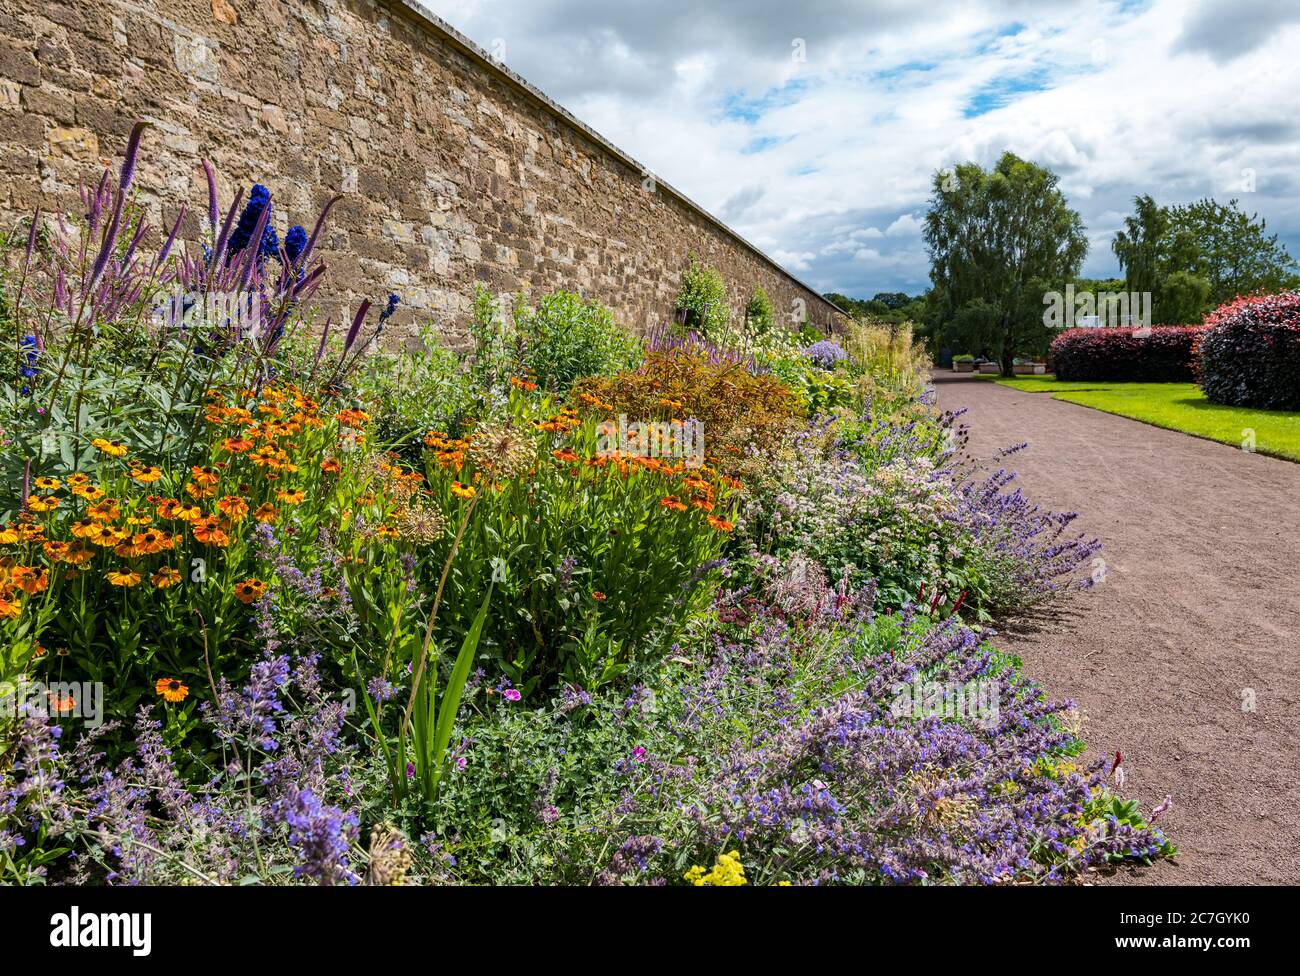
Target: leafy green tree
x: 1182, y: 299
x: 1230, y: 250
x: 1139, y: 244
x: 995, y: 238
x: 892, y: 300
x: 1207, y: 249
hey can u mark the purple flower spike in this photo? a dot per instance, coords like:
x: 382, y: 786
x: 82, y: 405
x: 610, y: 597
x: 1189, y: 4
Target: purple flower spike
x: 132, y: 150
x: 212, y: 196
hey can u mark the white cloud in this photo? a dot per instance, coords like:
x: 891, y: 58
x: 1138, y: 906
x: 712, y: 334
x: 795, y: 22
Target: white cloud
x: 827, y: 163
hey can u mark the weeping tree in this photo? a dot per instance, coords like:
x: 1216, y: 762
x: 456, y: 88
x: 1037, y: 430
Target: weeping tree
x: 1138, y: 245
x: 998, y: 239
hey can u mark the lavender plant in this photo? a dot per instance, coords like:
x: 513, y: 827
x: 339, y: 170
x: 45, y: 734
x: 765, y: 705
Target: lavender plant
x: 278, y: 804
x: 779, y: 737
x: 893, y: 502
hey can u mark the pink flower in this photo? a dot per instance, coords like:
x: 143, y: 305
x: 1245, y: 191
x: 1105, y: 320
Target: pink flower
x: 638, y: 754
x: 1161, y: 810
x: 511, y: 694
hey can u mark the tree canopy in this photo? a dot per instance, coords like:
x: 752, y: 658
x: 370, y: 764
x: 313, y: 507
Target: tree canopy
x: 998, y: 239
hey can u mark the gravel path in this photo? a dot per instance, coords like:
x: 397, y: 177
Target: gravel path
x: 1199, y: 614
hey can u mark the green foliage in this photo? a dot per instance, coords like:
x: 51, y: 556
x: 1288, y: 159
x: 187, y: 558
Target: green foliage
x: 997, y: 240
x: 758, y: 313
x: 564, y: 338
x: 593, y: 570
x: 1222, y: 245
x: 1195, y: 256
x: 702, y: 301
x: 414, y: 390
x: 1182, y: 299
x: 1138, y: 246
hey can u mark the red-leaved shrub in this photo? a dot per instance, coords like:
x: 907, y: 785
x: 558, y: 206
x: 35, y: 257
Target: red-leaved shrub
x: 1250, y: 353
x: 1163, y: 354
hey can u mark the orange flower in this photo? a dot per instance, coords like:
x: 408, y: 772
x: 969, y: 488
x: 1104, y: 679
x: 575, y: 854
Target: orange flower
x: 187, y: 513
x: 123, y: 577
x: 30, y: 580
x: 568, y: 457
x: 208, y: 530
x: 249, y: 590
x: 290, y: 497
x: 165, y: 577
x: 353, y: 418
x: 106, y: 511
x: 89, y: 492
x: 150, y: 541
x: 598, y: 596
x: 9, y: 609
x: 703, y: 504
x: 672, y: 504
x: 236, y: 445
x: 105, y: 536
x: 722, y: 525
x: 205, y: 476
x: 171, y: 689
x: 330, y: 466
x: 60, y: 705
x: 523, y: 384
x: 265, y: 513
x: 31, y: 533
x: 233, y: 507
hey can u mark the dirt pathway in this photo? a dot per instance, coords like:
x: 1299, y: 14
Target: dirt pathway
x: 1198, y: 617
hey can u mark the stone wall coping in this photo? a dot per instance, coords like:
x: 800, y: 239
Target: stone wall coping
x: 427, y: 18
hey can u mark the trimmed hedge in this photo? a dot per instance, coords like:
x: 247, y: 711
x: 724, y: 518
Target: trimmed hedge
x: 1250, y: 354
x: 1166, y: 355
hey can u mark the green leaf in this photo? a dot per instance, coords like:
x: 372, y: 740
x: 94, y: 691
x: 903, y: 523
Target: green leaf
x: 456, y: 687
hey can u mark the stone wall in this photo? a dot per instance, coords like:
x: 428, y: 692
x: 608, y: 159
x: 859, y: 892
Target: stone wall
x: 453, y: 169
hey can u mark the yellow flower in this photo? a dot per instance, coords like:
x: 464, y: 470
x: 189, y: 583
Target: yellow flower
x: 462, y: 491
x: 147, y: 475
x: 727, y: 872
x: 111, y: 448
x: 123, y: 577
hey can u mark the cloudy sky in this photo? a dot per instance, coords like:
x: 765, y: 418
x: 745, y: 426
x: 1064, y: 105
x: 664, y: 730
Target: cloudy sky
x: 813, y: 127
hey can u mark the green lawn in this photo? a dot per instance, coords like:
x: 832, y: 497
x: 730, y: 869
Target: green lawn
x: 1177, y: 406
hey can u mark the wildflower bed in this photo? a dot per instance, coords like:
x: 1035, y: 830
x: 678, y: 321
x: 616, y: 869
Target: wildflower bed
x: 394, y: 618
